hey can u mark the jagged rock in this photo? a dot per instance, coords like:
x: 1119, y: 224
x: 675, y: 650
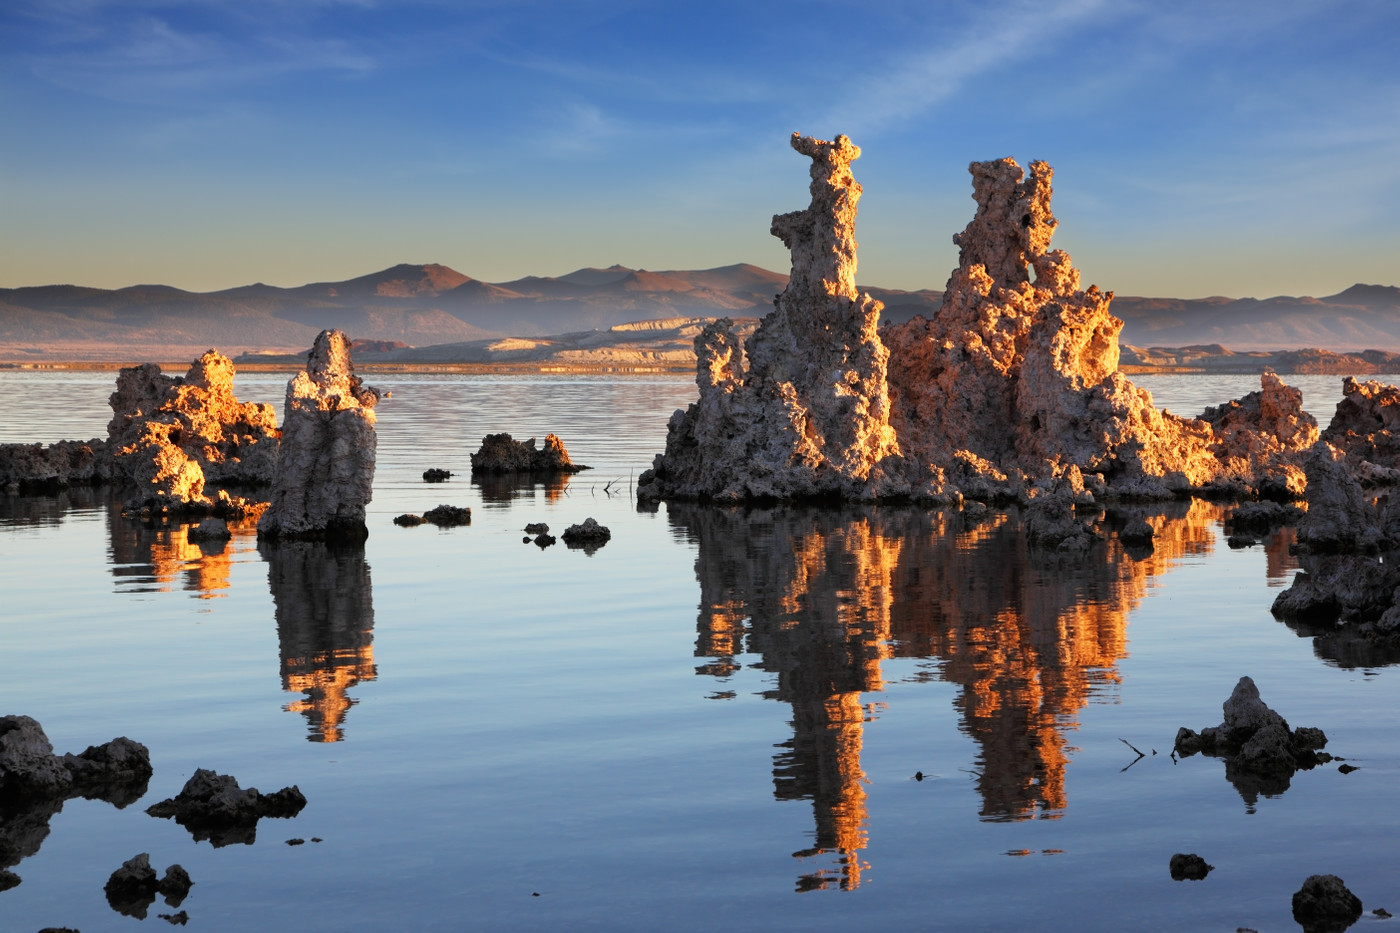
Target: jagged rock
x: 212, y: 806
x: 536, y: 528
x: 211, y: 529
x: 8, y: 879
x: 1261, y: 753
x: 500, y: 453
x: 809, y: 415
x: 131, y: 889
x: 1364, y: 426
x: 176, y: 919
x: 1260, y: 438
x: 1189, y: 867
x: 408, y: 520
x: 1013, y: 383
x: 171, y: 435
x: 543, y: 540
x: 325, y: 465
x: 589, y: 536
x: 1324, y: 903
x: 36, y: 467
x: 1338, y: 588
x: 435, y: 475
x: 448, y: 516
x: 28, y: 767
x: 116, y: 771
x: 1340, y: 517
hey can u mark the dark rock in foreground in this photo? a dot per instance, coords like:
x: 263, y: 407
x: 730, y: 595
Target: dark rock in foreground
x: 132, y: 888
x: 1324, y: 905
x: 212, y: 806
x: 448, y: 516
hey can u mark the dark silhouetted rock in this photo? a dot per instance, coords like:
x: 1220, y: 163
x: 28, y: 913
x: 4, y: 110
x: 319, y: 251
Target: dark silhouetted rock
x: 131, y: 889
x: 408, y: 520
x: 500, y: 453
x: 1261, y: 753
x: 588, y: 536
x: 448, y: 516
x: 543, y: 540
x: 28, y: 767
x: 536, y: 528
x: 175, y: 886
x: 435, y: 475
x: 212, y: 806
x: 1324, y: 905
x: 1189, y: 867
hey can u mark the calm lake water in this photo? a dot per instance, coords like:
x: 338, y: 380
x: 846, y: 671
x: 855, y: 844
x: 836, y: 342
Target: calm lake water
x: 714, y: 722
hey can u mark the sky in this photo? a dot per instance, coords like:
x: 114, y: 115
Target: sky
x: 1200, y: 148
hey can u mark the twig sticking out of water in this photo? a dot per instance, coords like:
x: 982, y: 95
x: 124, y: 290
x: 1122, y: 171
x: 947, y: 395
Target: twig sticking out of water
x: 1139, y: 757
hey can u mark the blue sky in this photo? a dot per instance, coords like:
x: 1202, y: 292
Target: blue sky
x: 1236, y: 148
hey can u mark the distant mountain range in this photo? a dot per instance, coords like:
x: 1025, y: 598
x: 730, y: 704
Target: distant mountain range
x: 429, y: 305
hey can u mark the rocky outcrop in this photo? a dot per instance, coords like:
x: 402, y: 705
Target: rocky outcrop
x: 29, y: 769
x: 44, y: 468
x: 1260, y: 438
x: 1188, y: 866
x: 212, y: 806
x: 1324, y: 904
x: 803, y: 410
x: 1261, y: 753
x: 1012, y: 385
x: 501, y: 453
x: 171, y: 435
x: 325, y: 462
x: 132, y: 889
x: 587, y: 536
x: 34, y: 783
x: 1365, y: 424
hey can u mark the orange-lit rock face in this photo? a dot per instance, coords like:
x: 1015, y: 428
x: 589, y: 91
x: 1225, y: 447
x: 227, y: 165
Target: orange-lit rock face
x: 822, y: 597
x: 324, y: 607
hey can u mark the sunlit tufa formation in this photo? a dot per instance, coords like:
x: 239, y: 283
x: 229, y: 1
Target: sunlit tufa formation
x: 1010, y: 391
x: 325, y: 463
x: 809, y: 414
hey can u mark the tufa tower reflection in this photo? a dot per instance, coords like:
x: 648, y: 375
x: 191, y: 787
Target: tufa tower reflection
x: 823, y: 596
x: 324, y: 609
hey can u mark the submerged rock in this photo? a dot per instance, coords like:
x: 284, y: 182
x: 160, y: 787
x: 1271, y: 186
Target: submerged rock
x: 435, y: 475
x: 212, y: 806
x: 588, y: 536
x: 325, y: 466
x: 1261, y: 753
x: 500, y: 453
x: 1324, y: 904
x: 448, y: 516
x: 1189, y: 867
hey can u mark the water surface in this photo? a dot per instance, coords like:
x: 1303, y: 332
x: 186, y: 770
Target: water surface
x: 714, y: 721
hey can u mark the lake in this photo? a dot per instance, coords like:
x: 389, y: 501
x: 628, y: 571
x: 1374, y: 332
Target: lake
x: 718, y: 720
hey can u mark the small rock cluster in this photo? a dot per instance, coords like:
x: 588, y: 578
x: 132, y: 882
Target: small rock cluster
x: 444, y: 516
x: 132, y: 889
x: 212, y: 806
x: 1261, y: 753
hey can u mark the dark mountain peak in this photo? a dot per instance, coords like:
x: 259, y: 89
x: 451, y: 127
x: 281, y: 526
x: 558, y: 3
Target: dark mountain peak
x: 1368, y: 296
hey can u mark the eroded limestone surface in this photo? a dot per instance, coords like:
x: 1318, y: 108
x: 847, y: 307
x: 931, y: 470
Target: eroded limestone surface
x: 501, y: 453
x: 325, y: 463
x: 809, y: 413
x: 172, y: 434
x: 1012, y: 386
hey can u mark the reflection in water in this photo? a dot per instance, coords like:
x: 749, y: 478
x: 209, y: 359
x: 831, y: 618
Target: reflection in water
x: 822, y: 596
x: 150, y: 557
x: 507, y: 488
x: 49, y: 509
x: 324, y: 607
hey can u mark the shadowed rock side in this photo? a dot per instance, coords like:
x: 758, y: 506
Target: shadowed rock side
x: 823, y: 596
x: 1012, y: 384
x: 324, y: 606
x: 809, y: 415
x: 325, y: 463
x: 35, y: 783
